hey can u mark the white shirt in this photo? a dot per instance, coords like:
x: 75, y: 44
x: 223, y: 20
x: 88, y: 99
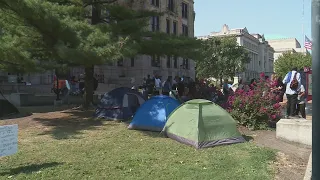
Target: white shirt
x: 68, y: 85
x: 301, y: 99
x: 163, y: 83
x: 288, y: 89
x: 157, y: 82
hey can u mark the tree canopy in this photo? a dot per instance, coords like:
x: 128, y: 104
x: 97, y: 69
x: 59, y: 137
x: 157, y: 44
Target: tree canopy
x: 221, y: 57
x: 289, y: 60
x: 41, y: 34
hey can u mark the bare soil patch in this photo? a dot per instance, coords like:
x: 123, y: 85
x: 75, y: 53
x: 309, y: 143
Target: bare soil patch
x: 292, y: 158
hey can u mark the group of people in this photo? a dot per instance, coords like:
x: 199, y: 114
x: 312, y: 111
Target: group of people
x: 184, y: 87
x: 72, y: 85
x: 295, y: 93
x: 290, y: 85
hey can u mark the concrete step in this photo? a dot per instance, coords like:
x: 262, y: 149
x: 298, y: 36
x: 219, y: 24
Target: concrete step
x: 295, y: 130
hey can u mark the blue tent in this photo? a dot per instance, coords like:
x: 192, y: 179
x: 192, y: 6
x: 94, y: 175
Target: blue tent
x: 153, y: 114
x: 119, y: 104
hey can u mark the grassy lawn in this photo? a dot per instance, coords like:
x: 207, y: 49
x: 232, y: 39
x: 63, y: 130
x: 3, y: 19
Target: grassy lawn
x: 72, y: 147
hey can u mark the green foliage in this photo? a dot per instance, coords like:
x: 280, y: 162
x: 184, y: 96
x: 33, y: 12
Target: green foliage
x: 56, y: 33
x: 288, y: 60
x: 31, y: 35
x: 254, y: 108
x: 164, y: 44
x: 60, y: 29
x: 221, y: 57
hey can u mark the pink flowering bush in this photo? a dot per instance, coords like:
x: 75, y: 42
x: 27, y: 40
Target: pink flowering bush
x: 256, y: 107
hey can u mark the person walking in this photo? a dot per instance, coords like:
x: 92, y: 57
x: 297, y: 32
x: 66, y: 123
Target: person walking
x: 292, y: 80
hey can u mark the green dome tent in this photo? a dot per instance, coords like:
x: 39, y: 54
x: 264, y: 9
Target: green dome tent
x: 202, y: 124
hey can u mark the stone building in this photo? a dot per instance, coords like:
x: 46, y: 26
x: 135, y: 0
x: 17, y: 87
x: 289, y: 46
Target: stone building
x: 260, y: 52
x: 286, y: 45
x: 178, y: 19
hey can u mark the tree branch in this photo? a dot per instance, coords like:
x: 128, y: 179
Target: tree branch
x: 99, y: 2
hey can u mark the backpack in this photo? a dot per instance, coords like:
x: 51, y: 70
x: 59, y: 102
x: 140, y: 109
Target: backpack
x: 294, y: 83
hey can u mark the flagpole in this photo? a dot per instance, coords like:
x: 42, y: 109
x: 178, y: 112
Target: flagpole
x: 303, y: 35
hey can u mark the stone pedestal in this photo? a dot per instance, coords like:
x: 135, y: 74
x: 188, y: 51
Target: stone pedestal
x: 19, y: 99
x: 57, y: 102
x: 295, y: 130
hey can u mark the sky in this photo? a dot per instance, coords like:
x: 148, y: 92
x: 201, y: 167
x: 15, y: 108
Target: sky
x: 280, y: 18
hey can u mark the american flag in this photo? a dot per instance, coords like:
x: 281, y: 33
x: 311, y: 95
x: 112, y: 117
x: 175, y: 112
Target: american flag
x: 308, y: 43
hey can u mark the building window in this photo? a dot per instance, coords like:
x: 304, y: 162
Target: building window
x: 120, y: 62
x: 168, y: 62
x: 185, y: 30
x: 155, y: 3
x: 174, y: 28
x: 155, y: 23
x: 132, y: 62
x: 155, y: 61
x: 185, y: 10
x: 175, y: 62
x: 185, y: 64
x: 168, y: 26
x: 170, y: 5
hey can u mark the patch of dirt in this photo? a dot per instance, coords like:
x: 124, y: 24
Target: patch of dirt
x: 292, y: 159
x: 289, y: 168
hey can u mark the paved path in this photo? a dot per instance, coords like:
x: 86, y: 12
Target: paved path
x: 292, y: 158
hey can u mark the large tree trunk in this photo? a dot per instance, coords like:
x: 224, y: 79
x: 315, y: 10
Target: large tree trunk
x: 89, y: 71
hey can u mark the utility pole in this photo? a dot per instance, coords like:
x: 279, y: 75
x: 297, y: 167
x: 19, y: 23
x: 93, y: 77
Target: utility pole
x: 315, y: 23
x: 303, y: 35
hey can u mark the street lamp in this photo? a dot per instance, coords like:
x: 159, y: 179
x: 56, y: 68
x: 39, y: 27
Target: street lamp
x: 315, y: 22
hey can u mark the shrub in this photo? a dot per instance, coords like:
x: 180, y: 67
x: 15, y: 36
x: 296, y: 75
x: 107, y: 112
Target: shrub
x: 256, y: 107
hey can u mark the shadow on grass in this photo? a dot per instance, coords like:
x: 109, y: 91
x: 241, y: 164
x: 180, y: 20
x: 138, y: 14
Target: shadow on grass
x: 44, y: 109
x: 247, y: 138
x: 70, y: 126
x: 152, y: 134
x: 15, y: 116
x: 28, y: 169
x: 29, y: 110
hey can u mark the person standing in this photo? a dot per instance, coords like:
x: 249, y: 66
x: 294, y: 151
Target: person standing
x: 81, y: 84
x: 226, y: 88
x: 293, y: 82
x: 180, y: 87
x: 150, y: 85
x: 157, y: 84
x: 240, y: 85
x: 167, y: 86
x: 301, y: 106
